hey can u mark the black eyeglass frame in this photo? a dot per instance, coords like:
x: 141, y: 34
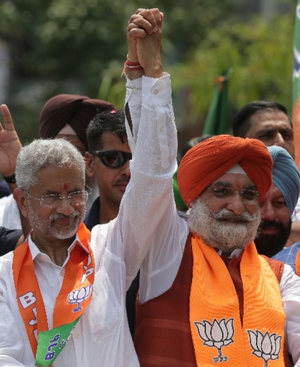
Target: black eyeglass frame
x: 119, y: 161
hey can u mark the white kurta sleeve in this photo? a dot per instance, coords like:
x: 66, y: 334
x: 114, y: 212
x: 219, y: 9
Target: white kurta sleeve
x: 290, y: 292
x: 148, y: 203
x: 143, y: 233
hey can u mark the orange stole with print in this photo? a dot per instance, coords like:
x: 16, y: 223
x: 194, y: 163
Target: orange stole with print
x: 72, y: 301
x: 217, y: 331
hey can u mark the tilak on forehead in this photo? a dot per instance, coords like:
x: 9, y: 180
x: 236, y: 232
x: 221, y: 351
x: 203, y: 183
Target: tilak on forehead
x: 66, y: 186
x: 212, y: 158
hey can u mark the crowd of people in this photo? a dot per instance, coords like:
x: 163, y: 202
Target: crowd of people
x: 99, y: 264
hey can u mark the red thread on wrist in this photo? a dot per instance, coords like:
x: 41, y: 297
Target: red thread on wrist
x: 138, y: 67
x: 132, y: 63
x: 132, y: 66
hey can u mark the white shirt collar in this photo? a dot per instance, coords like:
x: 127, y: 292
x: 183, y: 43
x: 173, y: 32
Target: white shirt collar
x: 35, y: 250
x: 236, y: 252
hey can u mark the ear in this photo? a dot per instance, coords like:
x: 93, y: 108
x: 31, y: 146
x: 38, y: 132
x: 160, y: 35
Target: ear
x: 20, y: 197
x: 89, y: 165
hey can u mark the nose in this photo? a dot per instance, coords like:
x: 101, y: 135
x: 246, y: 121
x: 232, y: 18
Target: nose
x: 278, y: 140
x: 64, y: 207
x: 236, y: 204
x: 267, y: 212
x: 126, y: 170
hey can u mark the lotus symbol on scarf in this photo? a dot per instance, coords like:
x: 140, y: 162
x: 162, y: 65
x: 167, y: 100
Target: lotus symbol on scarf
x: 265, y: 346
x: 216, y: 335
x: 80, y: 295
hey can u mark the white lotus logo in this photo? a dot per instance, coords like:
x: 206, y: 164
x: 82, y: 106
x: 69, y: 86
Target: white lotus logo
x: 80, y: 295
x: 265, y: 346
x: 216, y: 335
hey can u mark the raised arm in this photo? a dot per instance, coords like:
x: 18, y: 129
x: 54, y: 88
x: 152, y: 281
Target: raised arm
x: 144, y: 38
x: 147, y: 212
x: 10, y: 145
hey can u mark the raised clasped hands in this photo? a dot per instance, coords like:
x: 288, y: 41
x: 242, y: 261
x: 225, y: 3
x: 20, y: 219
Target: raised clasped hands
x: 144, y: 36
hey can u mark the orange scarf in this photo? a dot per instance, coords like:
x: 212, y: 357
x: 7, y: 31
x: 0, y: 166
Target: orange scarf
x: 297, y: 263
x: 76, y: 290
x: 217, y: 331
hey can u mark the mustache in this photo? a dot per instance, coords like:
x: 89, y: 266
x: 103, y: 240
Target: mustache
x: 55, y: 216
x: 123, y: 179
x: 225, y: 214
x: 269, y: 223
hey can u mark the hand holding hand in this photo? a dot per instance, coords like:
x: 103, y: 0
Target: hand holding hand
x: 144, y: 34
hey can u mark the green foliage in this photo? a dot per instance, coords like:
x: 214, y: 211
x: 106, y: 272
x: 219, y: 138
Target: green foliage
x: 72, y: 46
x: 262, y: 66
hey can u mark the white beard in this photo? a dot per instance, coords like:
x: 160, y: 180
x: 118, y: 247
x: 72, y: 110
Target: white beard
x: 47, y: 228
x: 221, y: 234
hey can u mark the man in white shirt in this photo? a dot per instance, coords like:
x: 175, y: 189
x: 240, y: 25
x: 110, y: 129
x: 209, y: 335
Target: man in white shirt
x: 55, y: 206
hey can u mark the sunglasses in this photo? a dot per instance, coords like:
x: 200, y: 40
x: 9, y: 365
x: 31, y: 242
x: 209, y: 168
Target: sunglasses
x: 112, y: 158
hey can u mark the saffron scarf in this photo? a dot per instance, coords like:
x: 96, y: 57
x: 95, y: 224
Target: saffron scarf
x: 297, y: 263
x: 218, y: 333
x: 71, y: 302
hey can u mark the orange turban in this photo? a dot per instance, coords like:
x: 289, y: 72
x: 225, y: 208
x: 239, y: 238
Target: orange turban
x: 212, y: 158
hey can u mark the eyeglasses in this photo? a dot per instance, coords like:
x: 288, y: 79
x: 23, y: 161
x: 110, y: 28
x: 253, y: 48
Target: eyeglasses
x: 112, y: 158
x: 54, y: 200
x: 247, y: 195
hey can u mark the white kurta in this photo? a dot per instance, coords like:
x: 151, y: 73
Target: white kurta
x: 102, y: 337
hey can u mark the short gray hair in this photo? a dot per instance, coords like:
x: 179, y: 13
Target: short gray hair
x: 43, y: 153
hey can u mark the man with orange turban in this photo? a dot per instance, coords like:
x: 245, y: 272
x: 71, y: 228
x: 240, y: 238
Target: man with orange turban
x: 206, y: 296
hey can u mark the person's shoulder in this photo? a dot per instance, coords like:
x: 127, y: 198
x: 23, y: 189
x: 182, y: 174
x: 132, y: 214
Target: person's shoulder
x: 287, y: 252
x: 3, y: 231
x: 6, y: 276
x: 276, y: 265
x: 101, y: 234
x: 105, y: 228
x: 8, y: 239
x: 6, y: 264
x: 288, y: 255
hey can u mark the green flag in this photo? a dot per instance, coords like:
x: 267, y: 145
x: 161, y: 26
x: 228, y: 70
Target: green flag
x: 217, y: 119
